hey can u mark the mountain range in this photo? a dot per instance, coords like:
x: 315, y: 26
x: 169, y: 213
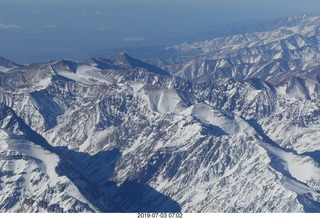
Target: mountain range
x: 229, y: 124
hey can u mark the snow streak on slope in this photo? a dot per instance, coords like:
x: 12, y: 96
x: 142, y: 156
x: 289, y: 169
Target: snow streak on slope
x: 87, y: 75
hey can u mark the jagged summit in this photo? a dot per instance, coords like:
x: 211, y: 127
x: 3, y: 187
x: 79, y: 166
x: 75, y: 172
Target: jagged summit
x: 66, y: 65
x: 126, y: 60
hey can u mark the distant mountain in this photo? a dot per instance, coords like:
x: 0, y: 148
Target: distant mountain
x: 230, y: 125
x: 160, y: 49
x: 288, y: 48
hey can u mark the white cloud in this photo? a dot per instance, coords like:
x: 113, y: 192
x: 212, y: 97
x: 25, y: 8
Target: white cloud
x: 8, y: 26
x: 134, y: 39
x: 98, y: 13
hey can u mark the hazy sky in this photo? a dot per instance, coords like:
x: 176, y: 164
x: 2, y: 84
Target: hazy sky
x: 37, y: 30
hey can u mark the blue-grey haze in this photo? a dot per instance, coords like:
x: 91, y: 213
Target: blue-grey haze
x: 37, y: 30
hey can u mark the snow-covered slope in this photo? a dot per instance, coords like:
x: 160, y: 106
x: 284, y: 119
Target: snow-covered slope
x: 30, y: 182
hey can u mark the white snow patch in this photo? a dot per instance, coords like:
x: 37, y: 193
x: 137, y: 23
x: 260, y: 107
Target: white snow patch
x: 136, y: 87
x: 303, y: 168
x: 208, y: 115
x: 164, y: 100
x: 88, y: 75
x: 42, y: 84
x: 4, y: 69
x: 50, y: 161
